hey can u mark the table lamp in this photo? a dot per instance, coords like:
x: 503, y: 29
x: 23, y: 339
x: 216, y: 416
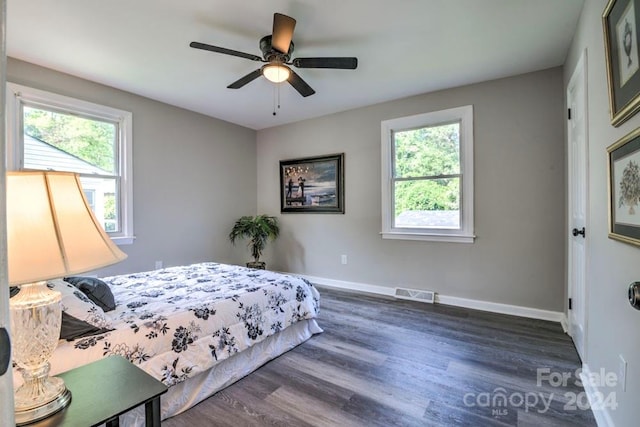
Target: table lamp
x: 51, y: 233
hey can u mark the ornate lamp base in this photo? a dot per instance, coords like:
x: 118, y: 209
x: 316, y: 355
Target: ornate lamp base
x: 31, y: 415
x: 36, y: 317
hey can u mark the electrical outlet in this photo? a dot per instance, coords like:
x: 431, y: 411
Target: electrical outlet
x: 622, y: 372
x: 158, y: 265
x: 343, y: 259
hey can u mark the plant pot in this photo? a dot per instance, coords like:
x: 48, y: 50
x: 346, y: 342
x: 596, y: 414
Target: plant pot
x: 260, y: 265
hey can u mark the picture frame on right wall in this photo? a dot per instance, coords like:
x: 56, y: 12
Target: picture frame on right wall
x: 624, y: 188
x: 312, y: 184
x: 620, y: 23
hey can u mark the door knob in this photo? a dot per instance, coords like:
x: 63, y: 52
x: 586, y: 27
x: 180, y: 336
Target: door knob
x: 634, y: 295
x: 577, y: 232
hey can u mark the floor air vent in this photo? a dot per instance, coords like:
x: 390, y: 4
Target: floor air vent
x: 415, y: 295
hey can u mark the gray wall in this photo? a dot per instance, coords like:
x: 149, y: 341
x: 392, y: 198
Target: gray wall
x: 193, y: 175
x: 518, y: 256
x: 613, y: 325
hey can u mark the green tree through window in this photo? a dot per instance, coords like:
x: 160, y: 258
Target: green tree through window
x: 427, y: 174
x: 88, y: 139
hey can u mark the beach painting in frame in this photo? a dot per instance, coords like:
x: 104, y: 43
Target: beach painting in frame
x: 312, y: 185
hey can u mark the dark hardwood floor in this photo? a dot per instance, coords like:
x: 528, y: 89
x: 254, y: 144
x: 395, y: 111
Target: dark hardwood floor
x: 387, y: 362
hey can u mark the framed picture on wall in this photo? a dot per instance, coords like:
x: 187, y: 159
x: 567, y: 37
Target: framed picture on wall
x: 312, y: 184
x: 620, y: 22
x: 624, y: 188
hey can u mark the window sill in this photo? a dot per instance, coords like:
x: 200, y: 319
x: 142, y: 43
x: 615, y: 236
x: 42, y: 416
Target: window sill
x: 450, y: 238
x: 123, y: 241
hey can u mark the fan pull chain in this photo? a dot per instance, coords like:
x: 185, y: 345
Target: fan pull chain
x: 277, y: 85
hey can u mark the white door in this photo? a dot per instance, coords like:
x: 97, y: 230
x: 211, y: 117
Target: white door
x: 6, y: 380
x: 577, y: 200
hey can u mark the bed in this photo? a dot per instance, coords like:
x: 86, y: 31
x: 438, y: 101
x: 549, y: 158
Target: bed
x: 196, y: 328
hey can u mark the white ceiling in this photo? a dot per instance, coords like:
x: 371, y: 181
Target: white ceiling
x: 404, y: 48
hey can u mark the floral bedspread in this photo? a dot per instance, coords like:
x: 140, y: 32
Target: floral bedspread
x: 177, y: 322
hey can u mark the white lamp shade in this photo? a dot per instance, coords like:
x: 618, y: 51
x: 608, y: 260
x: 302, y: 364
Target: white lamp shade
x: 276, y: 73
x: 51, y: 229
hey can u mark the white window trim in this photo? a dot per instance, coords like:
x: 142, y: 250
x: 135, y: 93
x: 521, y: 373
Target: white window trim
x: 17, y: 94
x: 466, y: 233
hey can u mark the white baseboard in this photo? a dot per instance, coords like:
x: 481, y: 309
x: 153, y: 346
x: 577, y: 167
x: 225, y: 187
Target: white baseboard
x: 493, y: 307
x: 601, y: 414
x: 351, y: 286
x: 565, y: 323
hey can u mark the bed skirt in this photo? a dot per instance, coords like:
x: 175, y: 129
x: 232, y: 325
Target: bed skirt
x: 194, y: 390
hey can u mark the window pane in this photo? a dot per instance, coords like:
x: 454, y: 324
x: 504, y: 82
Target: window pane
x: 433, y: 203
x: 103, y: 201
x: 91, y: 197
x: 428, y: 151
x: 63, y: 142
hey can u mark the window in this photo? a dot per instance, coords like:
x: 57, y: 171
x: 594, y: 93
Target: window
x: 47, y: 131
x: 427, y: 176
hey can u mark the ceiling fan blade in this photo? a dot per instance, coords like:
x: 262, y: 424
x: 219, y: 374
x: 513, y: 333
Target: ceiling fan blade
x: 343, y: 63
x: 282, y: 34
x: 300, y: 85
x: 198, y: 45
x: 246, y: 79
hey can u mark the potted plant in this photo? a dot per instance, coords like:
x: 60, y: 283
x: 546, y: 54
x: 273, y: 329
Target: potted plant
x: 258, y: 229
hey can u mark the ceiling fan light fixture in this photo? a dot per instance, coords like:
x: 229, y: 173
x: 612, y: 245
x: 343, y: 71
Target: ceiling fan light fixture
x: 276, y: 73
x: 277, y: 49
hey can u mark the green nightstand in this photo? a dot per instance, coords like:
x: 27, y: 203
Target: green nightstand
x: 105, y: 389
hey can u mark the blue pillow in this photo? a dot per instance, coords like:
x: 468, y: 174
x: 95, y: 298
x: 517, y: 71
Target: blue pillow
x: 95, y: 289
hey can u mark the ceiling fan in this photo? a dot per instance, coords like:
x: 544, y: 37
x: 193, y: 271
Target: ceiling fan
x: 276, y: 54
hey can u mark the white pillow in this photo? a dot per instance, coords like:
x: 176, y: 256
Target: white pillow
x: 76, y: 303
